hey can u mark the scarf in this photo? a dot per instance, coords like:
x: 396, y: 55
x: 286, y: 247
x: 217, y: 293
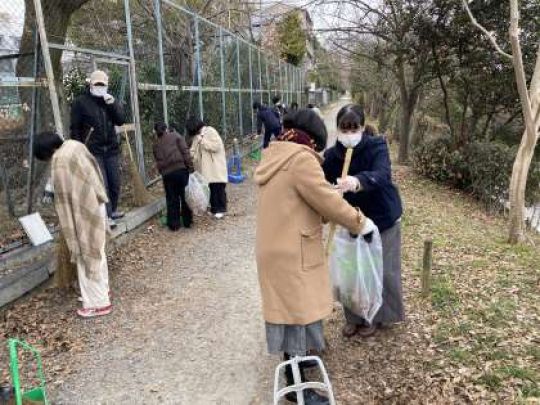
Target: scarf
x: 297, y: 136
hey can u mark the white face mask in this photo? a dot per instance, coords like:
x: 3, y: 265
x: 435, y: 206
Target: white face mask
x: 98, y: 91
x: 350, y: 140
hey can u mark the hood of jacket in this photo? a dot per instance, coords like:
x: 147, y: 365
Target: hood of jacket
x: 277, y: 157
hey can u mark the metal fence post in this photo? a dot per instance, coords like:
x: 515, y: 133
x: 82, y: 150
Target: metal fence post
x: 222, y: 72
x: 268, y: 83
x: 157, y: 15
x: 198, y: 64
x: 32, y: 131
x: 251, y: 91
x: 139, y: 145
x: 240, y: 122
x: 260, y: 78
x: 48, y: 68
x: 280, y: 86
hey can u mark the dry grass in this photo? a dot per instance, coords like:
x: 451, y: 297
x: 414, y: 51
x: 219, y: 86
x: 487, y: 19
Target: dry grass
x: 476, y: 339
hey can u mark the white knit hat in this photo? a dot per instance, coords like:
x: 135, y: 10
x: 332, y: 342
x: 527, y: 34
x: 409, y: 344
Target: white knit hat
x: 99, y: 76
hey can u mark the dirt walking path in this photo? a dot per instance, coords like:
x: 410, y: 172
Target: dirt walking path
x: 187, y: 325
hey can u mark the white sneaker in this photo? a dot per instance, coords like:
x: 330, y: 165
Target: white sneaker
x: 112, y: 223
x: 219, y: 215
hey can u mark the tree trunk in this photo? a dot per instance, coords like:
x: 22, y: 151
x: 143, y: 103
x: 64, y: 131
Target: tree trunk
x: 56, y: 17
x: 520, y: 170
x: 530, y: 101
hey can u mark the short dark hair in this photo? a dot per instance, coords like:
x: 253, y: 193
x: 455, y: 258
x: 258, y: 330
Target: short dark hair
x: 45, y: 144
x: 276, y: 99
x: 350, y: 117
x: 294, y: 105
x: 256, y: 105
x: 194, y: 125
x: 310, y: 105
x: 160, y: 128
x: 308, y: 121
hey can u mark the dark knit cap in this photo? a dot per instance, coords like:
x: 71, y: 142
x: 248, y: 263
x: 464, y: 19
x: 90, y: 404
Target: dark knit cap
x: 308, y: 121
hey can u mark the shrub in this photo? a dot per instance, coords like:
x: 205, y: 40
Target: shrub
x: 480, y: 168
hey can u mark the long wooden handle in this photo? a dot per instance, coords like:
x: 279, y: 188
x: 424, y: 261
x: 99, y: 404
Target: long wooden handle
x: 129, y: 145
x: 344, y: 173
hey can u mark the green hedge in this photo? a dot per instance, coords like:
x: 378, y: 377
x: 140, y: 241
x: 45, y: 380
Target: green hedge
x: 480, y: 168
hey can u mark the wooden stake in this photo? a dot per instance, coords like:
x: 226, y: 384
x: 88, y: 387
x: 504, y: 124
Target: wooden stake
x: 426, y: 268
x: 344, y: 173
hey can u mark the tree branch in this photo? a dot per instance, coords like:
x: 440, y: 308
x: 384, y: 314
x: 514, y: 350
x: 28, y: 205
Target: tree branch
x: 488, y: 34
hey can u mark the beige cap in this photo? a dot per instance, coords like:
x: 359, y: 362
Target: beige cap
x: 99, y: 76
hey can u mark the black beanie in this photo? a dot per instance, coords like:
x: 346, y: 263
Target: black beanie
x: 308, y: 121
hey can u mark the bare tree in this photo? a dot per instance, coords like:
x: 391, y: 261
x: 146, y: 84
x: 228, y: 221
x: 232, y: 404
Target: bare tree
x: 530, y: 104
x: 389, y: 26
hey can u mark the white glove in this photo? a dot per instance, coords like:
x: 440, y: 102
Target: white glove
x: 48, y: 194
x: 108, y: 99
x: 369, y: 226
x: 348, y: 184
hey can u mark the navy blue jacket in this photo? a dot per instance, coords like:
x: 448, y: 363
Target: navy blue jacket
x: 379, y: 198
x: 269, y: 118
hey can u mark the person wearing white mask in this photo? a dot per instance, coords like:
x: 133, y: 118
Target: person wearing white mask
x: 369, y: 187
x: 94, y: 116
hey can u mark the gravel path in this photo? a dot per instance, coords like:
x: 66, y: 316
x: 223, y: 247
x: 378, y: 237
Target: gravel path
x: 187, y: 325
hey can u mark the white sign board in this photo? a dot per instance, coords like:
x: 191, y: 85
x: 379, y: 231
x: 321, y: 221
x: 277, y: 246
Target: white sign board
x: 36, y: 229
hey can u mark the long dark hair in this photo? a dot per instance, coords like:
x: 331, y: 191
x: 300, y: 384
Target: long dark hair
x: 194, y: 125
x: 46, y: 144
x: 350, y: 118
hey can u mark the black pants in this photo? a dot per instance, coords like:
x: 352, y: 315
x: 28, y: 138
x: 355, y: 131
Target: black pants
x: 218, y: 198
x: 268, y: 135
x: 175, y: 193
x: 110, y: 169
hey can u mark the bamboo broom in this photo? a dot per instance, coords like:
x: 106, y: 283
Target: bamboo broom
x: 66, y: 271
x: 141, y: 196
x: 344, y: 173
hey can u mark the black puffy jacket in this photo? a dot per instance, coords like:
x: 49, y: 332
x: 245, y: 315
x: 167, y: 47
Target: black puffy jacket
x: 90, y: 112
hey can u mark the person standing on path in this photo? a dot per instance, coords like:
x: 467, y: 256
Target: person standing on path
x: 209, y: 158
x: 174, y: 164
x: 293, y: 200
x: 94, y: 116
x: 369, y: 187
x: 270, y: 120
x: 80, y: 198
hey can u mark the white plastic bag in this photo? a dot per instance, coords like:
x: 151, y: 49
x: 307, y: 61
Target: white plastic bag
x: 356, y: 268
x: 197, y: 193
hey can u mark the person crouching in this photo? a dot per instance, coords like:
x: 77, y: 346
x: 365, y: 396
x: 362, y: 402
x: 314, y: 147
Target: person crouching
x: 80, y: 201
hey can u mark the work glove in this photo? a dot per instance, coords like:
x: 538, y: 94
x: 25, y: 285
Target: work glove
x: 349, y: 184
x: 108, y: 99
x: 48, y: 193
x: 367, y: 230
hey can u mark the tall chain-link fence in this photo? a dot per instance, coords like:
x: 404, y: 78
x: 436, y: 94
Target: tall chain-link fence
x: 164, y: 63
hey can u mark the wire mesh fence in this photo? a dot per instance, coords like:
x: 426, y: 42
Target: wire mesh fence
x: 165, y: 63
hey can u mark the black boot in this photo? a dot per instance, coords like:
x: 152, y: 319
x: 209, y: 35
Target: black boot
x: 311, y: 397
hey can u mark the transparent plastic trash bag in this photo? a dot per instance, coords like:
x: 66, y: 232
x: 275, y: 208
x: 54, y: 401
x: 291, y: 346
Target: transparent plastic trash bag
x: 356, y: 268
x: 197, y: 193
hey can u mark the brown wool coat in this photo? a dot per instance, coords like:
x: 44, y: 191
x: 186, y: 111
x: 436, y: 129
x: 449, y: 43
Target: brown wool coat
x: 293, y: 199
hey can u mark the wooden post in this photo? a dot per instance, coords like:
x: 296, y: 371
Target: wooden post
x: 426, y: 268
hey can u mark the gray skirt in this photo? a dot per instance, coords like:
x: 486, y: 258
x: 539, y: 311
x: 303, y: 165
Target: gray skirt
x: 295, y: 340
x: 392, y: 309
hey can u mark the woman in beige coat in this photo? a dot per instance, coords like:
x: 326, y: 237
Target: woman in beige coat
x: 294, y: 199
x: 209, y: 159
